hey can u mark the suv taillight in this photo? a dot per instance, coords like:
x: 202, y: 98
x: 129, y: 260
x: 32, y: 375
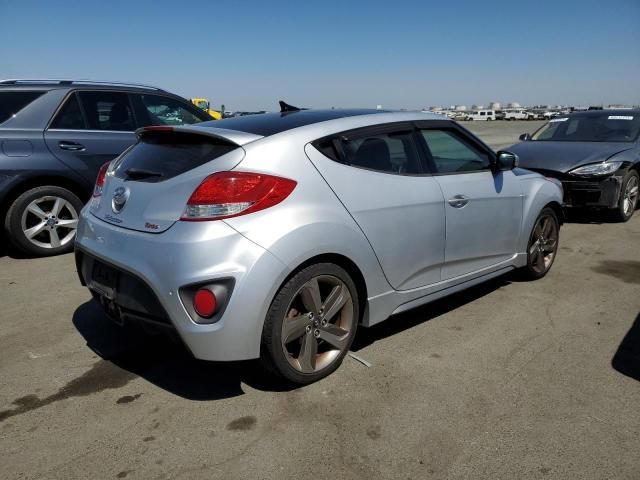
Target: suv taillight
x: 102, y: 173
x: 229, y: 194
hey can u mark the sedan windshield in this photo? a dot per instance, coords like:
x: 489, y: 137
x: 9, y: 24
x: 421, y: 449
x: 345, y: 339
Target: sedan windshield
x: 596, y: 127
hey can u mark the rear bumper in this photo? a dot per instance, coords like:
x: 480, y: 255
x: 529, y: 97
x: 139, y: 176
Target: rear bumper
x: 158, y: 265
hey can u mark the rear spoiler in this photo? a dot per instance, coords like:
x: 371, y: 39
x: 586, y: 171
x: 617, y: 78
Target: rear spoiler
x: 233, y: 136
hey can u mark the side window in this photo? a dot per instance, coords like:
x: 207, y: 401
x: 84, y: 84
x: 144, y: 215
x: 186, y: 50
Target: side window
x: 385, y: 152
x: 482, y: 114
x: 450, y: 153
x: 168, y: 111
x: 108, y: 111
x: 70, y: 116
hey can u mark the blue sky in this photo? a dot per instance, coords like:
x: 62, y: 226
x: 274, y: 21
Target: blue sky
x: 400, y: 54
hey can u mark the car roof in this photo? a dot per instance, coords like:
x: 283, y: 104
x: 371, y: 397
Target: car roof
x: 267, y: 124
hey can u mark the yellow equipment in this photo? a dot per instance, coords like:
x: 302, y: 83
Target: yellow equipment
x: 204, y: 104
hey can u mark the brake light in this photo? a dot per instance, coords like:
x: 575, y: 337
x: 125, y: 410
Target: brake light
x: 205, y: 303
x: 229, y: 194
x: 102, y: 173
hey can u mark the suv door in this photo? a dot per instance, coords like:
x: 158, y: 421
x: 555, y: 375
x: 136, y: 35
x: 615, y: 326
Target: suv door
x: 91, y: 128
x: 483, y: 208
x: 377, y: 174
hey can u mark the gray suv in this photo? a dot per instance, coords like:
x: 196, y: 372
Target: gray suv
x: 54, y: 137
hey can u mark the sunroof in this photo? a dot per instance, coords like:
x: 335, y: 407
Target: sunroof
x: 266, y: 124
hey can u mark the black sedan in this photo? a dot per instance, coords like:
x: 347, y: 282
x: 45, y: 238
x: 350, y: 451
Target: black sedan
x: 595, y: 154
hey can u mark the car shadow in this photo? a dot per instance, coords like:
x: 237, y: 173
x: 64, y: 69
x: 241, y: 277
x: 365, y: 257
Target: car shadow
x: 412, y: 318
x: 166, y: 362
x: 587, y: 216
x: 627, y: 358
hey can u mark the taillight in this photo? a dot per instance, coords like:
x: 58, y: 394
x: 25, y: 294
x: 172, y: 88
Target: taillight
x: 102, y: 173
x: 229, y: 194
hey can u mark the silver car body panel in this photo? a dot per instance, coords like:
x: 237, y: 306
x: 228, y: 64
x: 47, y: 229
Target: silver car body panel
x: 409, y: 244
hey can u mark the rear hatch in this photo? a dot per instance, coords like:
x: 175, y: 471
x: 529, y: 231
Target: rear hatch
x: 148, y: 186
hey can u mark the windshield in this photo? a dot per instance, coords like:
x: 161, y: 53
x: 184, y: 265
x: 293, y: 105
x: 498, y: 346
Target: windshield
x: 596, y: 127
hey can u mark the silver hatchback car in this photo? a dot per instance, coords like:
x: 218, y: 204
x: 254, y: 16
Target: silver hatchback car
x: 274, y: 236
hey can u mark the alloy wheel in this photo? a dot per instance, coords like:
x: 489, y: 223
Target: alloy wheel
x: 49, y: 222
x: 318, y: 323
x: 543, y: 244
x: 630, y: 197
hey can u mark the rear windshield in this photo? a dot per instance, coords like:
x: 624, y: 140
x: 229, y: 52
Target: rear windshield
x: 12, y: 102
x: 160, y: 156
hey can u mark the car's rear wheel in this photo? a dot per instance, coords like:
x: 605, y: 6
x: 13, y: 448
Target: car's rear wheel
x: 311, y: 324
x: 628, y: 197
x: 543, y: 245
x: 43, y: 221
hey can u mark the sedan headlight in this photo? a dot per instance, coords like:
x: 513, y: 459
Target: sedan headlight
x: 603, y: 168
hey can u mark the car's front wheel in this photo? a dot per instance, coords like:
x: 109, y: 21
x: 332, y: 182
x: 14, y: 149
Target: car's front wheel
x: 543, y: 245
x: 628, y: 197
x: 43, y: 221
x: 311, y: 324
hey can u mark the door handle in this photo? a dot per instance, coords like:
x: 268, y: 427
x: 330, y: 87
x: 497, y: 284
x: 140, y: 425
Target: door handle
x: 458, y: 201
x: 72, y: 146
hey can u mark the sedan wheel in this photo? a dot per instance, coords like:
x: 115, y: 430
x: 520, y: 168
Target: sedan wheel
x: 311, y: 324
x: 628, y: 197
x: 543, y: 244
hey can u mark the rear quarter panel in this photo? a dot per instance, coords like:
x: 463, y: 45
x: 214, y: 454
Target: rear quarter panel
x: 311, y: 221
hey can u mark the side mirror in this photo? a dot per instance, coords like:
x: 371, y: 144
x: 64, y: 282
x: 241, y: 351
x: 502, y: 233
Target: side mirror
x: 506, y: 161
x: 525, y: 137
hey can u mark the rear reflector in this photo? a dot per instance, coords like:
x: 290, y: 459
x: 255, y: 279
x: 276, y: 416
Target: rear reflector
x: 102, y: 173
x: 205, y: 303
x: 229, y: 194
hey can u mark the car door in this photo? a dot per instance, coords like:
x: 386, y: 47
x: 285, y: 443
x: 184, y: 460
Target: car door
x: 91, y: 128
x: 378, y: 176
x: 483, y: 208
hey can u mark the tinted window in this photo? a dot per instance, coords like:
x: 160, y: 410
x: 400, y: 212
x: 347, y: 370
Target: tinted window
x: 167, y: 111
x: 385, y: 152
x: 12, y: 102
x: 160, y: 156
x: 70, y: 116
x: 450, y: 153
x: 107, y: 111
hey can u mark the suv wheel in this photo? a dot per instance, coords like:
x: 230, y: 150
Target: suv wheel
x: 628, y: 197
x: 43, y: 221
x: 310, y: 324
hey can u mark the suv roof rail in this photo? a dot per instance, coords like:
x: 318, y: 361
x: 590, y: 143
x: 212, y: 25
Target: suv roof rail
x: 57, y: 81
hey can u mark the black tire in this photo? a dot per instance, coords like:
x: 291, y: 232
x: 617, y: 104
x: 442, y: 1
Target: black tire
x: 530, y: 271
x: 71, y: 205
x: 272, y: 352
x: 620, y: 213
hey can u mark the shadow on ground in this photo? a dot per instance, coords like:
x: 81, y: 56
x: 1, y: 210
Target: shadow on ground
x: 588, y: 216
x: 167, y: 364
x: 417, y: 316
x: 627, y: 357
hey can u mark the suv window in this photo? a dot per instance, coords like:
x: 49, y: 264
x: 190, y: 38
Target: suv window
x: 70, y: 116
x: 108, y: 111
x: 392, y: 152
x: 168, y: 111
x: 450, y: 153
x: 12, y: 102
